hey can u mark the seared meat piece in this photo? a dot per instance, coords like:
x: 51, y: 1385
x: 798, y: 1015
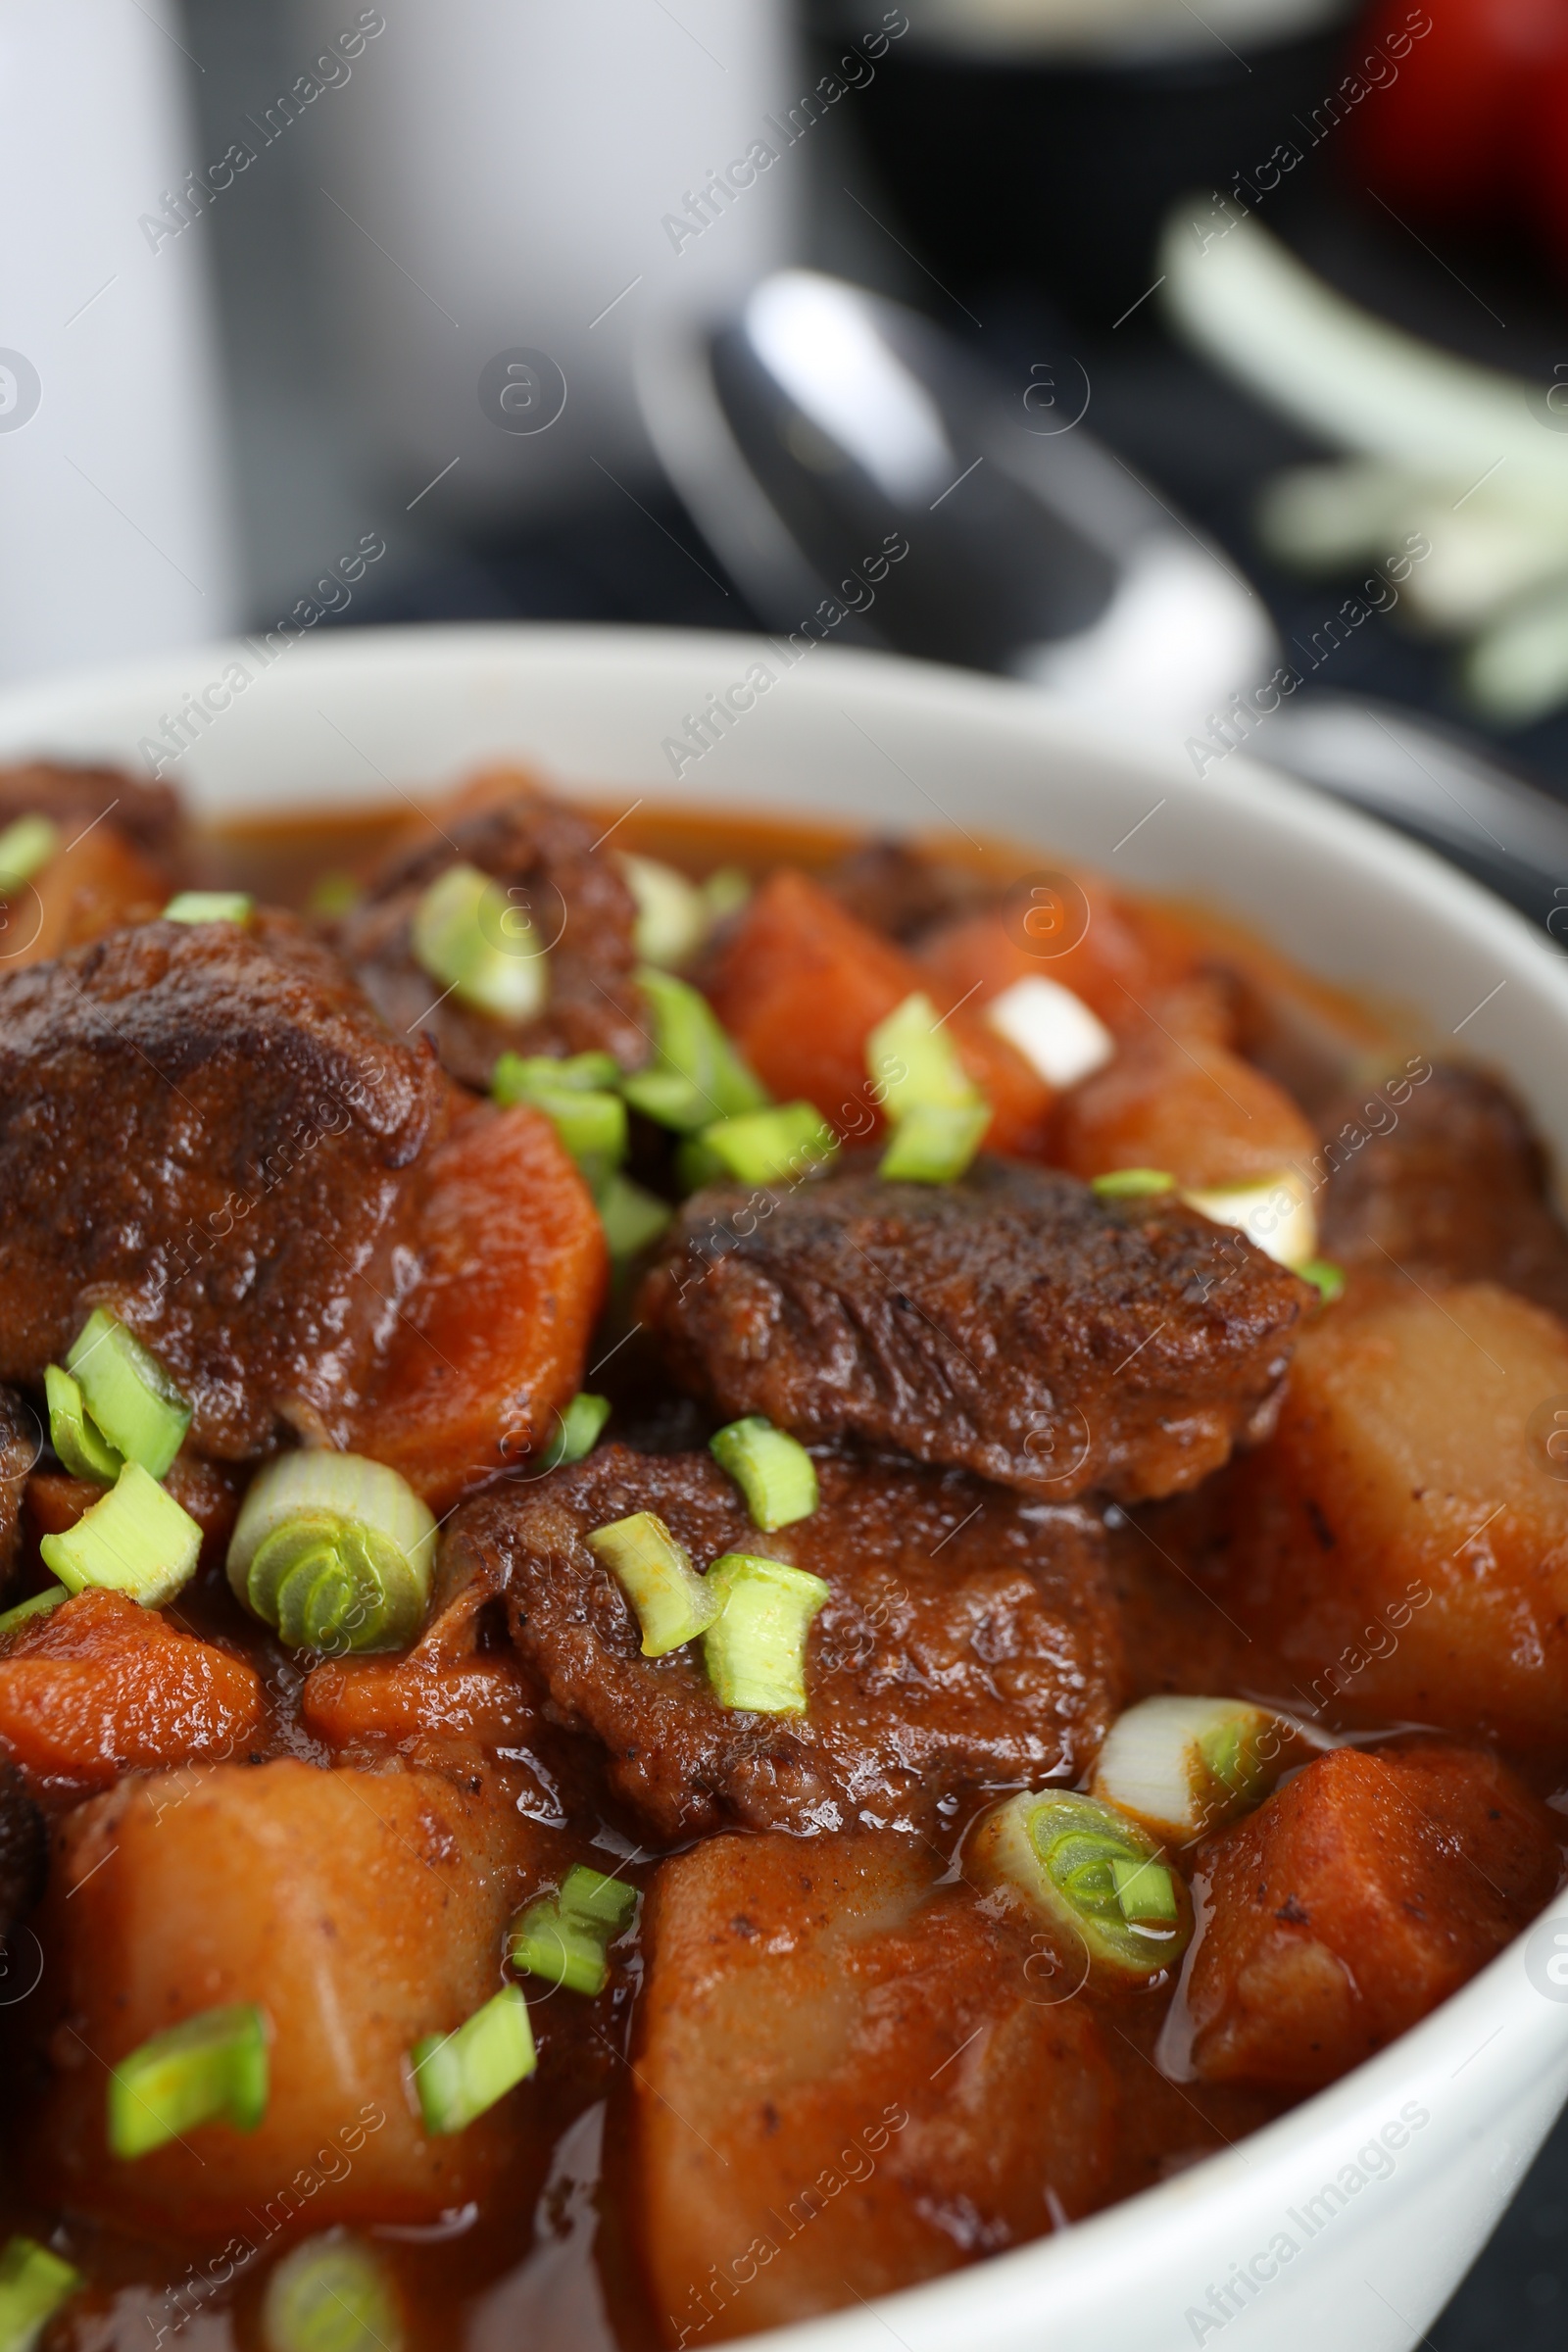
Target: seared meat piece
x: 204, y: 1128
x: 1014, y: 1324
x: 23, y: 1853
x: 543, y: 853
x: 148, y: 815
x: 968, y: 1639
x: 899, y: 890
x: 20, y: 1437
x: 1448, y: 1180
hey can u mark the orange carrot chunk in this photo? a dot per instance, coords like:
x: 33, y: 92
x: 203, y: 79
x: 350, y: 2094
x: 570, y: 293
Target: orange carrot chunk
x: 491, y: 1345
x: 99, y: 1687
x: 400, y: 1699
x: 1363, y: 1895
x: 90, y: 888
x: 801, y: 985
x: 1074, y: 931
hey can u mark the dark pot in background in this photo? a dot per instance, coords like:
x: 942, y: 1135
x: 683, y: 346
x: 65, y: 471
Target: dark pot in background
x: 1055, y: 169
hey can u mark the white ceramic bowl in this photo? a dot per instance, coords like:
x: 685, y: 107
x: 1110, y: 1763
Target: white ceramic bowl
x: 1341, y: 2238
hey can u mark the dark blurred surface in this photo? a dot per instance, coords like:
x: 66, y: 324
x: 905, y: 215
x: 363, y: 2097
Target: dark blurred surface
x: 1517, y: 2295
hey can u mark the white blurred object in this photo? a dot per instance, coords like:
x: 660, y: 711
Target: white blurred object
x: 1053, y: 1030
x: 1468, y: 461
x: 1276, y: 1214
x: 114, y: 519
x: 1245, y: 301
x: 1486, y: 546
x: 508, y: 180
x: 1517, y: 669
x: 1182, y: 635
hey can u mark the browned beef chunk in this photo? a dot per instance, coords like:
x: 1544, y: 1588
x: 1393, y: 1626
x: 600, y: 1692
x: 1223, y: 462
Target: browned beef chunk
x: 968, y: 1639
x: 574, y: 895
x: 21, y: 1435
x: 899, y: 890
x: 23, y: 1861
x: 148, y: 814
x: 206, y: 1129
x: 1450, y: 1181
x: 1014, y: 1324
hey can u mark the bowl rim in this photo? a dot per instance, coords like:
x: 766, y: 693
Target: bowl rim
x: 73, y: 714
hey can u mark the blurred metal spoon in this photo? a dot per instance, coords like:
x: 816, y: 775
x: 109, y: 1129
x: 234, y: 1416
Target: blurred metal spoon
x: 820, y: 428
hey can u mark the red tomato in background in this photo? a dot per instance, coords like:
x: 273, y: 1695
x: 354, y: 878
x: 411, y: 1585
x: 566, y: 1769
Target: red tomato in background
x: 1479, y: 115
x: 1544, y: 160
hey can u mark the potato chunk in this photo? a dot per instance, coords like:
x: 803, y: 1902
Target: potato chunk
x: 1363, y: 1894
x: 1403, y: 1539
x: 845, y: 2083
x: 1187, y: 1103
x: 359, y: 1909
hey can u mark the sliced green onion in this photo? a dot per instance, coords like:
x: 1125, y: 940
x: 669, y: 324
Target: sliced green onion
x: 756, y: 1650
x: 1276, y: 1214
x: 331, y: 2295
x: 672, y: 914
x: 762, y: 1147
x: 1131, y: 1184
x: 590, y: 1121
x: 772, y: 1470
x: 138, y: 1541
x: 1092, y: 1876
x: 130, y: 1397
x: 1325, y: 1277
x: 696, y: 1077
x: 84, y: 1451
x: 481, y: 949
x: 726, y: 891
x: 458, y: 2076
x: 631, y: 1216
x: 33, y: 2285
x: 673, y: 1602
x: 1145, y: 1890
x: 593, y: 1128
x: 580, y: 1424
x: 1182, y: 1766
x: 560, y: 1950
x: 25, y: 849
x: 938, y: 1113
x: 210, y: 906
x: 1347, y: 377
x: 515, y: 1075
x: 212, y: 2065
x: 25, y: 1612
x: 934, y: 1143
x: 597, y: 1895
x: 915, y: 1061
x: 334, y: 895
x: 563, y: 1938
x: 334, y: 1552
